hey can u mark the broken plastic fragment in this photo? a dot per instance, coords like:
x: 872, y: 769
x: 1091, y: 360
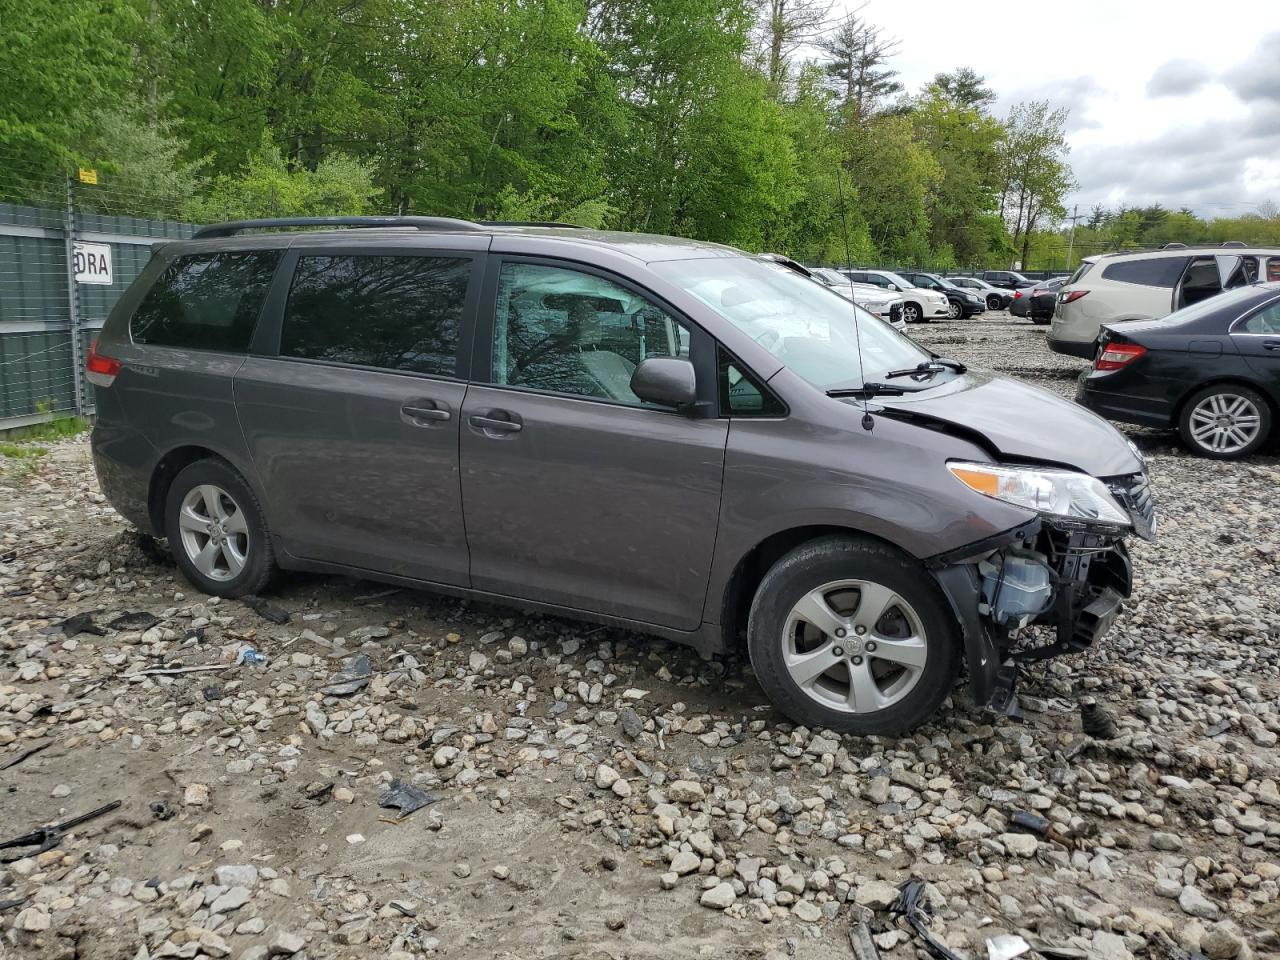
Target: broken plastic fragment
x: 355, y: 675
x: 405, y: 798
x: 1006, y: 947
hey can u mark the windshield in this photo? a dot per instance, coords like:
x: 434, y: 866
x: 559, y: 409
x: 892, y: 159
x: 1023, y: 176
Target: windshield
x: 811, y: 329
x: 894, y: 278
x: 830, y: 276
x: 946, y: 284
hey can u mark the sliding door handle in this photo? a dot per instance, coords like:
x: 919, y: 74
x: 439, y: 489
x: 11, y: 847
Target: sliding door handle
x: 495, y: 424
x: 423, y: 416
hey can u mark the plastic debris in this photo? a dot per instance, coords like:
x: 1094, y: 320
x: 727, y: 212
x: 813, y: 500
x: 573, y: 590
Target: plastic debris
x: 12, y: 904
x: 80, y: 623
x: 1096, y: 721
x: 46, y: 838
x: 266, y: 611
x: 1006, y: 947
x: 26, y: 755
x: 249, y: 657
x: 161, y: 810
x: 211, y: 693
x: 134, y: 620
x: 864, y: 948
x: 354, y: 675
x: 913, y: 908
x: 404, y: 798
x: 1029, y: 822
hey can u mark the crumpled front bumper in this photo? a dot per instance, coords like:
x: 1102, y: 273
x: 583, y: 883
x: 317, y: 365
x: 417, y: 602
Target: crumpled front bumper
x: 1092, y: 576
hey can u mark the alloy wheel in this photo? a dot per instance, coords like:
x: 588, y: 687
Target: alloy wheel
x: 854, y: 646
x: 1225, y: 422
x: 214, y: 532
x: 953, y: 310
x: 910, y: 313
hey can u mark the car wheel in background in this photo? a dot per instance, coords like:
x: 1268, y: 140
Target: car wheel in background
x: 993, y: 303
x: 848, y: 634
x: 217, y: 532
x: 954, y: 310
x: 911, y: 313
x: 1041, y: 321
x: 1225, y: 421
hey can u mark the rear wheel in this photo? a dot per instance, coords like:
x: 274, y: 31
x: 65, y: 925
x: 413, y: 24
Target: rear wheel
x: 1225, y: 421
x: 851, y: 635
x: 217, y: 532
x: 911, y: 313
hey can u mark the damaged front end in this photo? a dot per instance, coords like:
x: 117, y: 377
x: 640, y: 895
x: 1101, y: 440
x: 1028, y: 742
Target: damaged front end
x: 1067, y: 574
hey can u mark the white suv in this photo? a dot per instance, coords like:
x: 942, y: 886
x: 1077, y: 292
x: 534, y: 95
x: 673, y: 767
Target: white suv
x: 1148, y: 285
x: 918, y: 303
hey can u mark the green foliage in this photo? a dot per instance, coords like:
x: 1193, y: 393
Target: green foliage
x: 339, y: 185
x: 19, y: 451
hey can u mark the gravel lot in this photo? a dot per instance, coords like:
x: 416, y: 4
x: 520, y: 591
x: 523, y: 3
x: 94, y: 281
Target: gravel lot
x: 601, y: 795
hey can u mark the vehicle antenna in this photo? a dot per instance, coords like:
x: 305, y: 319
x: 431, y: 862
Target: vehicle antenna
x: 867, y: 422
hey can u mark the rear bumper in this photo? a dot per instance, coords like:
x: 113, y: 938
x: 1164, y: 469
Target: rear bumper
x: 1084, y: 349
x: 121, y: 459
x: 1145, y: 411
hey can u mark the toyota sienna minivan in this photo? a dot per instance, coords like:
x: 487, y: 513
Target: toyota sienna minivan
x: 671, y: 437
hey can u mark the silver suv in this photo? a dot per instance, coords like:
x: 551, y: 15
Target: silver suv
x: 671, y: 437
x: 1148, y: 285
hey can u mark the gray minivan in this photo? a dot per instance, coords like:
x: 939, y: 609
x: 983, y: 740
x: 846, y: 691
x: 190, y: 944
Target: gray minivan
x: 673, y: 437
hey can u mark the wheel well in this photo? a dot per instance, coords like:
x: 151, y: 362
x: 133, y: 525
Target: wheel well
x: 1224, y: 381
x: 170, y: 465
x: 751, y: 569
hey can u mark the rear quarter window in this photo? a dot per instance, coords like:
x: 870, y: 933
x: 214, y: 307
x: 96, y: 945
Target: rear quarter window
x: 207, y: 301
x: 1155, y: 272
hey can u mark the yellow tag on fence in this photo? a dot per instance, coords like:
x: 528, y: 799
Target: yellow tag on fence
x: 88, y: 176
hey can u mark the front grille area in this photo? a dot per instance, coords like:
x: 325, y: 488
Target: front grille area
x: 1134, y: 494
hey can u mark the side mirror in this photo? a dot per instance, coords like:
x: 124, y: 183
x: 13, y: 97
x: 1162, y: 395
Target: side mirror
x: 667, y: 381
x: 894, y: 286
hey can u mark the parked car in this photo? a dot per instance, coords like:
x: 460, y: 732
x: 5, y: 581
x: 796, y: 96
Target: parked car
x: 667, y: 436
x: 1007, y: 279
x: 961, y: 304
x: 1042, y: 299
x: 876, y: 300
x: 996, y: 298
x: 1020, y: 305
x: 1149, y: 284
x: 917, y: 304
x: 1211, y: 370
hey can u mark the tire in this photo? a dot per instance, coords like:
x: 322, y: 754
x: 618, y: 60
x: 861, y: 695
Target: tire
x: 954, y: 310
x: 1041, y: 321
x: 993, y: 303
x: 911, y: 313
x: 1224, y: 421
x: 913, y: 609
x: 213, y: 490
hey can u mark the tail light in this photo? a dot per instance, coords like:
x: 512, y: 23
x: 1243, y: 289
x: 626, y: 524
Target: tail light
x: 1072, y: 296
x: 101, y: 369
x: 1117, y: 355
x: 1017, y: 294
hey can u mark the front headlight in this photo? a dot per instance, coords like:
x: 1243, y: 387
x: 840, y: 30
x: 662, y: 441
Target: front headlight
x: 1060, y: 493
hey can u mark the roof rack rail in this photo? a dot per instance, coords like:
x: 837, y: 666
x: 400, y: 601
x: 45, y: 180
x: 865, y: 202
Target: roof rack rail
x: 420, y: 223
x: 529, y: 223
x: 1234, y: 243
x: 1175, y: 245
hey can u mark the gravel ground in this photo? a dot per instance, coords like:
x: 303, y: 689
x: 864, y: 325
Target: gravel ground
x: 601, y: 795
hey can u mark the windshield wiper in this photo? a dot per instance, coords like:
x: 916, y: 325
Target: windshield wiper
x: 931, y: 366
x: 867, y: 390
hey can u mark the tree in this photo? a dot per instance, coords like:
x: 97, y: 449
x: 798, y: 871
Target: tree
x: 964, y: 88
x: 858, y: 55
x: 1036, y: 175
x: 893, y: 173
x: 139, y: 168
x: 785, y: 26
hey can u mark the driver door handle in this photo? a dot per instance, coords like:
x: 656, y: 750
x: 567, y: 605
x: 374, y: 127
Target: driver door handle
x: 1271, y: 344
x: 494, y: 424
x: 417, y: 413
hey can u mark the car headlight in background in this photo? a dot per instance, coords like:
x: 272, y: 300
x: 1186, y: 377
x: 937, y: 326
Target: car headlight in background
x: 1060, y: 493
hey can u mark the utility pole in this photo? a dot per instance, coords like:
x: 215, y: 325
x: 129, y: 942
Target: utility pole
x: 1071, y: 238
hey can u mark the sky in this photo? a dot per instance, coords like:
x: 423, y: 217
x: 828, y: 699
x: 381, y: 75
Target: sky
x: 1171, y: 103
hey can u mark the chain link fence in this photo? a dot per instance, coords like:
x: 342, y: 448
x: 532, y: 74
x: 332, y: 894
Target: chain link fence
x: 63, y: 265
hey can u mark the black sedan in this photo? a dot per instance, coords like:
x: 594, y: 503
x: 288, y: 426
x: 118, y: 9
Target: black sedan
x: 997, y: 298
x: 961, y: 303
x: 1212, y: 370
x: 1043, y: 297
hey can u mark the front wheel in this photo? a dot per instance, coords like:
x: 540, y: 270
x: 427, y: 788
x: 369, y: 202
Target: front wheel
x: 953, y: 310
x: 217, y: 532
x: 993, y: 303
x: 1225, y: 422
x: 851, y: 635
x: 911, y: 313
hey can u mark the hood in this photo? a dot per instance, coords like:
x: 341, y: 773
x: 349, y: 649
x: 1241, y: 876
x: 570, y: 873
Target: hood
x: 1020, y: 422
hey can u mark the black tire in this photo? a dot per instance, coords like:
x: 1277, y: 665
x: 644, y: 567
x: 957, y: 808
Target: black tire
x: 1041, y: 321
x: 911, y: 313
x: 1229, y: 391
x: 829, y: 559
x: 954, y: 311
x: 994, y: 303
x: 259, y: 565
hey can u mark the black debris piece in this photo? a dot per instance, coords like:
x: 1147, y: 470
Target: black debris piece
x: 405, y: 798
x: 134, y: 620
x: 46, y: 838
x: 81, y: 623
x: 161, y: 810
x: 26, y: 755
x: 211, y: 693
x: 320, y: 793
x: 12, y: 904
x: 864, y: 948
x: 194, y: 635
x: 266, y: 611
x: 1096, y: 721
x: 355, y: 675
x: 1029, y: 822
x: 912, y: 906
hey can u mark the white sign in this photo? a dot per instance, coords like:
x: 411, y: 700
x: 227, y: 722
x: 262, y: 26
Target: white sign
x: 93, y: 263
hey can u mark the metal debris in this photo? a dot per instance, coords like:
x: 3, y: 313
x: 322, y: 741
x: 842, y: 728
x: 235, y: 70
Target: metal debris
x: 405, y: 798
x: 355, y: 675
x: 46, y: 838
x: 913, y: 908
